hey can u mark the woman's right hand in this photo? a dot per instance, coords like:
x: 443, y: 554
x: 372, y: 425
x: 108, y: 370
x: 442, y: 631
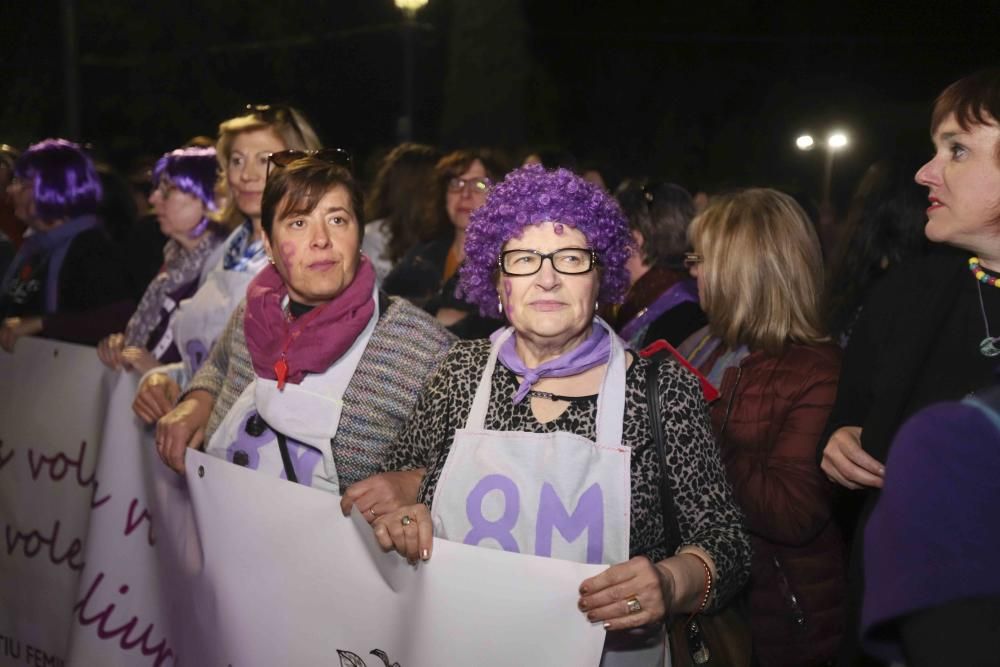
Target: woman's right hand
x: 109, y: 350
x: 183, y: 427
x: 407, y: 530
x: 847, y: 464
x: 156, y: 397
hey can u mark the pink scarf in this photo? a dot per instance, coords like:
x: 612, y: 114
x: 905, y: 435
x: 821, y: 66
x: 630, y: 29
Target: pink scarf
x: 286, y: 350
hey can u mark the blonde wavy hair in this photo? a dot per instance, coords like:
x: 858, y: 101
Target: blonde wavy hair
x: 289, y: 124
x: 762, y: 275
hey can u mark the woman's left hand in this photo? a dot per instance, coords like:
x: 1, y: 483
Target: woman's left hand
x: 139, y: 360
x: 408, y: 530
x: 15, y: 327
x: 628, y: 595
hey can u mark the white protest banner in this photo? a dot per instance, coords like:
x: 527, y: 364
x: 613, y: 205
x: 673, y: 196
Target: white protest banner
x: 232, y: 567
x: 123, y: 562
x: 52, y: 398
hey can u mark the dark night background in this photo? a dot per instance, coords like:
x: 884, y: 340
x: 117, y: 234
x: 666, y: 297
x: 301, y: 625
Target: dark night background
x: 709, y: 94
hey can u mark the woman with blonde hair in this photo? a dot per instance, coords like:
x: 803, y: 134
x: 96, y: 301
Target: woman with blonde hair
x: 759, y: 269
x: 245, y: 142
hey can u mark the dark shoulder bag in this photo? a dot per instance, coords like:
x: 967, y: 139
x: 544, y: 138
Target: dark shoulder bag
x: 721, y: 639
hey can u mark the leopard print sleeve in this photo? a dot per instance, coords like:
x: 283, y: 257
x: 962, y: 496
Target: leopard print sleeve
x: 708, y: 515
x: 442, y: 407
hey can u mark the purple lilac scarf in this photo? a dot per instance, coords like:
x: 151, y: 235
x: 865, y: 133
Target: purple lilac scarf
x: 594, y: 351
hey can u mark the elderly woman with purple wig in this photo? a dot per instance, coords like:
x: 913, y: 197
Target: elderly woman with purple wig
x: 68, y: 264
x: 543, y: 251
x: 183, y: 196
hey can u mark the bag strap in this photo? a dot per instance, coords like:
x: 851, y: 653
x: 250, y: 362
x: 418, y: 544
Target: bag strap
x: 671, y: 528
x: 286, y: 459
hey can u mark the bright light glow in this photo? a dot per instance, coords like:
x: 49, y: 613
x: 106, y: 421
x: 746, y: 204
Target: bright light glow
x: 410, y: 6
x: 837, y: 140
x: 805, y: 142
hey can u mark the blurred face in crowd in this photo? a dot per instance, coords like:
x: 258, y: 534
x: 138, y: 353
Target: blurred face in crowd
x: 22, y: 194
x: 964, y: 182
x: 246, y: 170
x: 177, y: 212
x: 466, y: 193
x: 317, y: 253
x: 549, y: 304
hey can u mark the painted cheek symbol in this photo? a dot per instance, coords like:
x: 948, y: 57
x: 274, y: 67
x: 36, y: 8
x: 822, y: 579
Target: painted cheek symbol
x: 507, y: 289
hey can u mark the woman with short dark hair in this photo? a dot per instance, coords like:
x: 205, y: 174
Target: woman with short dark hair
x: 317, y: 370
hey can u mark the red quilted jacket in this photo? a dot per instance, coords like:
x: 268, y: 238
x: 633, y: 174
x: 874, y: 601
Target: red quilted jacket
x: 777, y: 407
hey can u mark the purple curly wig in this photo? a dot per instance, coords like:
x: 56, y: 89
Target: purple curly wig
x: 63, y: 178
x: 529, y: 196
x: 192, y: 170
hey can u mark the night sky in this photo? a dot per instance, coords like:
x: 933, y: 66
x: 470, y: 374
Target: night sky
x: 708, y: 94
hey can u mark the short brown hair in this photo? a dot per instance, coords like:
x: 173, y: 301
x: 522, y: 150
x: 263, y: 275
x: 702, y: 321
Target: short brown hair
x: 298, y: 187
x: 975, y: 100
x: 455, y: 164
x: 762, y: 275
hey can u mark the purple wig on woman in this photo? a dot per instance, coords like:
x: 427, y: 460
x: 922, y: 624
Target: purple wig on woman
x: 64, y: 180
x: 194, y: 171
x: 530, y: 196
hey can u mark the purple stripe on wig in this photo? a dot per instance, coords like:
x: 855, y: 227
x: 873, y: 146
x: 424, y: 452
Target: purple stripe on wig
x: 191, y: 170
x: 529, y: 196
x: 64, y: 180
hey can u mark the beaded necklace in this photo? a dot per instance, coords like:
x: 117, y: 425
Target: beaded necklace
x: 981, y: 274
x: 987, y: 346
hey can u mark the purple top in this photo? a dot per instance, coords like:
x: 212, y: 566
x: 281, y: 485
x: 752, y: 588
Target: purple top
x: 933, y: 537
x: 685, y: 291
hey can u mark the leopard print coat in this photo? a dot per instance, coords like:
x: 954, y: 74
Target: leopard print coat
x: 707, y: 513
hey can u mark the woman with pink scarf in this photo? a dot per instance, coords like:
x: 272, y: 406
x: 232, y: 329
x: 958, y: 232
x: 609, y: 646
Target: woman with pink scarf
x: 317, y: 370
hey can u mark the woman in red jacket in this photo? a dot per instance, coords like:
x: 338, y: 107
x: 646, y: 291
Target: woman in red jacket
x: 759, y: 270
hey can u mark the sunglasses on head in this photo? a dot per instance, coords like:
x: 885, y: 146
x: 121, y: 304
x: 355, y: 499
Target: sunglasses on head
x: 336, y: 156
x: 275, y: 114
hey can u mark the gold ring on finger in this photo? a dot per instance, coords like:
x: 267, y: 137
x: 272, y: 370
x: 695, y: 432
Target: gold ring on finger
x: 406, y: 520
x: 632, y: 605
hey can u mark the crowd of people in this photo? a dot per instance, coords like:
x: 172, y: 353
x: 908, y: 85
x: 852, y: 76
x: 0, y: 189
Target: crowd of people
x: 812, y: 456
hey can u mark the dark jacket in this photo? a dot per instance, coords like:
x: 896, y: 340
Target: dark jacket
x: 770, y: 412
x: 884, y: 378
x: 418, y: 278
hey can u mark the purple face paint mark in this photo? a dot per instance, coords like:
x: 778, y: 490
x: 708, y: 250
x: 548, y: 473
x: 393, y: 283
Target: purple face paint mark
x: 304, y: 461
x: 196, y: 352
x: 507, y: 289
x: 588, y: 515
x: 559, y: 229
x: 499, y: 530
x: 287, y: 252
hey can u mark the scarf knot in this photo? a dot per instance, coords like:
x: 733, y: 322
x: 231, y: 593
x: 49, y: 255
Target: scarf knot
x: 592, y: 352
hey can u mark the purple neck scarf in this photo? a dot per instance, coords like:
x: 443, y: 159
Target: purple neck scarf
x: 594, y: 351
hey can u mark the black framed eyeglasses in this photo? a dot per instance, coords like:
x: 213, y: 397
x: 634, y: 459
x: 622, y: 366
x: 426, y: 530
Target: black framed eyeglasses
x: 571, y: 261
x: 692, y: 259
x: 336, y: 156
x: 474, y: 186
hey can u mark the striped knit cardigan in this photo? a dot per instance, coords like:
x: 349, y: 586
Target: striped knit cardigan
x: 403, y: 353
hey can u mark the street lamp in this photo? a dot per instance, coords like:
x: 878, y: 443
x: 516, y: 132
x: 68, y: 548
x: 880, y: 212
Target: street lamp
x: 404, y: 126
x: 835, y: 141
x: 805, y: 142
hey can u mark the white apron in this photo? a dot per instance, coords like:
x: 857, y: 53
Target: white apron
x: 306, y: 414
x: 549, y: 494
x: 199, y: 321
